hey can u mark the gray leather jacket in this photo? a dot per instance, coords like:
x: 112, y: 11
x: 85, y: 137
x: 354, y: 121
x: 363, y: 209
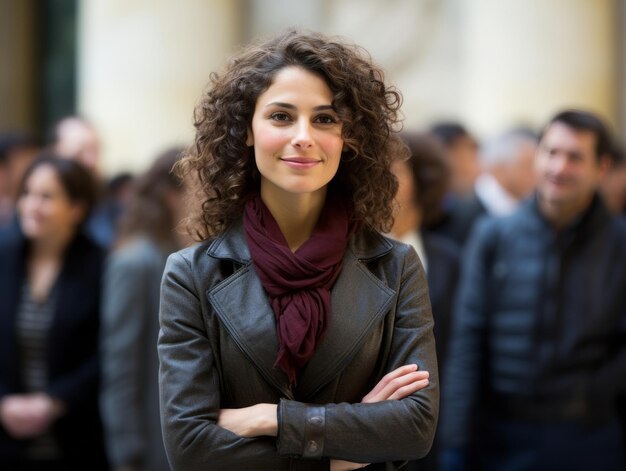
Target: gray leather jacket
x: 218, y: 343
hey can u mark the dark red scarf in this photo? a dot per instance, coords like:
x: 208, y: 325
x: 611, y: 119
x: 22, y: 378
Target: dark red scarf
x: 298, y: 284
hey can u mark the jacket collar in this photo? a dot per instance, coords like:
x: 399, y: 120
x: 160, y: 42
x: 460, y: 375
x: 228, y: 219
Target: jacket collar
x: 231, y: 245
x: 243, y: 309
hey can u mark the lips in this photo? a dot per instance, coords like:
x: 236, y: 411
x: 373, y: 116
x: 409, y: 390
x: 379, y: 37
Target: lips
x: 300, y: 162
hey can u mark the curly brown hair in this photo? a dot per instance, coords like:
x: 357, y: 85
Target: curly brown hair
x: 223, y: 165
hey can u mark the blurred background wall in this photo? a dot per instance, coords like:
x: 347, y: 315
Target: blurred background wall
x: 136, y: 69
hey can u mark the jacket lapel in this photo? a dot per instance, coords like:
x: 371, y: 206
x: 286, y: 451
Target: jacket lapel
x: 359, y: 300
x: 243, y: 308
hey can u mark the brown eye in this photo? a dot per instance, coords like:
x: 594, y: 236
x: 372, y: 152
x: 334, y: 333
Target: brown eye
x: 325, y: 119
x: 280, y: 116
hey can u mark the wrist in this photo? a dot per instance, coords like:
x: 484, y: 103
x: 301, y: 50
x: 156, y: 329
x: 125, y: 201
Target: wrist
x: 268, y: 422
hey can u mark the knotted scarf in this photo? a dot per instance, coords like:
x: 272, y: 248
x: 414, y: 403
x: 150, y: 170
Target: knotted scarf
x: 298, y: 283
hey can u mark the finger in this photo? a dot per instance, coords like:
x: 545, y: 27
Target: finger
x: 400, y: 382
x: 409, y: 389
x: 403, y: 370
x: 394, y: 385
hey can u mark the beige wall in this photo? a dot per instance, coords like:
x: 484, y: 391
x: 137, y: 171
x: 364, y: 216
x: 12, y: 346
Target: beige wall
x: 142, y: 67
x: 524, y: 60
x: 489, y: 63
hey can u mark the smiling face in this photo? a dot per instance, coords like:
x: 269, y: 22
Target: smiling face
x: 568, y: 170
x: 45, y: 210
x: 296, y: 135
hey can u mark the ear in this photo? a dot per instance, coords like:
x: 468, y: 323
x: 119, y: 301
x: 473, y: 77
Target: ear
x: 605, y: 164
x: 250, y: 138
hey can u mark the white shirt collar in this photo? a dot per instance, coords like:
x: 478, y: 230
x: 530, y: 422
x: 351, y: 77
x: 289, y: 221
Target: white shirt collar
x: 493, y: 196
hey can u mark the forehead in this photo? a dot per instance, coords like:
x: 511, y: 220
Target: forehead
x: 43, y: 175
x: 295, y: 82
x: 560, y: 135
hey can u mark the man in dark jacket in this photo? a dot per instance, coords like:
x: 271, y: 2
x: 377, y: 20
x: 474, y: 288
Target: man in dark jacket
x: 538, y: 354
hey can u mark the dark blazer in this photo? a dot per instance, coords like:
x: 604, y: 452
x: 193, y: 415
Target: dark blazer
x: 129, y: 398
x: 72, y: 350
x: 443, y: 275
x: 458, y: 222
x: 218, y: 346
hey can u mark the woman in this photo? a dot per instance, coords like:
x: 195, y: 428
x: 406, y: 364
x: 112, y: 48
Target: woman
x: 130, y: 305
x: 285, y: 331
x: 423, y: 180
x: 50, y: 290
x: 422, y: 183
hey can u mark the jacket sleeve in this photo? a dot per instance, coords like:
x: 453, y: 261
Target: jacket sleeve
x: 385, y: 431
x: 122, y: 327
x: 190, y: 389
x: 465, y: 355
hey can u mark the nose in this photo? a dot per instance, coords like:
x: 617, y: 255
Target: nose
x: 559, y: 163
x: 302, y: 137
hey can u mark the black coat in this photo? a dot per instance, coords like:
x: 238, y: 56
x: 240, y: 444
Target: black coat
x: 72, y: 357
x: 540, y: 322
x: 218, y: 345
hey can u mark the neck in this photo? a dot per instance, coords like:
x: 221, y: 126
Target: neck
x: 295, y: 215
x: 560, y: 215
x: 50, y: 248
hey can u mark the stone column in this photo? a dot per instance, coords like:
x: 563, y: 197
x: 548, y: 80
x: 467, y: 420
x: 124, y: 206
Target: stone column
x: 525, y: 60
x: 143, y: 66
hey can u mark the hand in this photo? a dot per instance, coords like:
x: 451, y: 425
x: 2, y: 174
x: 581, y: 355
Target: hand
x: 398, y: 384
x: 29, y: 415
x: 252, y: 421
x: 341, y: 465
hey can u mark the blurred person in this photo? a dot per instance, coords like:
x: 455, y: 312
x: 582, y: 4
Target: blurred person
x: 508, y: 174
x: 538, y: 352
x: 461, y: 153
x: 507, y: 177
x: 17, y: 151
x: 422, y: 183
x: 613, y: 185
x: 50, y: 281
x: 295, y: 335
x: 129, y: 400
x: 75, y: 138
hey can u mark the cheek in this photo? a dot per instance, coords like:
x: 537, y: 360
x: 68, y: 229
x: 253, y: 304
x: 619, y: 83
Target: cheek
x: 268, y: 138
x: 332, y: 145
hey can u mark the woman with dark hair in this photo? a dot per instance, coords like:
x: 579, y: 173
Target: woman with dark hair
x: 50, y: 277
x: 129, y: 398
x: 423, y: 180
x: 422, y: 184
x: 296, y: 336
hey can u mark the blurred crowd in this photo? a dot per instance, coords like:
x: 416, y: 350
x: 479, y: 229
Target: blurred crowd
x: 528, y: 298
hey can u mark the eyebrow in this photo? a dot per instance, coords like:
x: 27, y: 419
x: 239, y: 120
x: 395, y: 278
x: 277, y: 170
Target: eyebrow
x: 293, y: 107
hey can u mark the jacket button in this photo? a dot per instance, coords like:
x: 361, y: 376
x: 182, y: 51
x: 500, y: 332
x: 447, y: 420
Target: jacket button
x: 316, y: 420
x: 312, y: 446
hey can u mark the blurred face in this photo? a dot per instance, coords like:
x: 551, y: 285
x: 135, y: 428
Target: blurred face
x: 45, y: 210
x: 80, y: 142
x: 296, y: 135
x: 464, y: 164
x: 568, y: 171
x: 522, y: 181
